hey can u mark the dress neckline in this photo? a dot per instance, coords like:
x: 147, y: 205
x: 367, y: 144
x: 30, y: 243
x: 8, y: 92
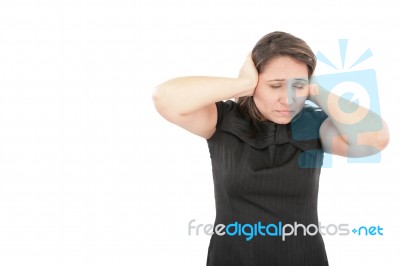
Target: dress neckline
x: 261, y: 134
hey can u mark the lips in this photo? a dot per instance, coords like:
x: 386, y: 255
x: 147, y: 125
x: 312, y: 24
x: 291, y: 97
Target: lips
x: 285, y: 112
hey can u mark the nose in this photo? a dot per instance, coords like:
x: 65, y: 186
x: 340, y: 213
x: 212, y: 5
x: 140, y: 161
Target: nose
x: 287, y: 96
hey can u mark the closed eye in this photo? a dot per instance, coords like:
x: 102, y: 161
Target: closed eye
x: 276, y: 86
x: 299, y: 85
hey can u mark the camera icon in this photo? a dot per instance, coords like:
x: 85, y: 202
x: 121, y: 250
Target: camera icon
x: 359, y: 87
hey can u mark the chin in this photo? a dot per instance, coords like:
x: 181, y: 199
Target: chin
x: 282, y: 120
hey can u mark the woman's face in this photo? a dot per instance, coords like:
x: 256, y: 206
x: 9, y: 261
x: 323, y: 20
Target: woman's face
x: 281, y: 90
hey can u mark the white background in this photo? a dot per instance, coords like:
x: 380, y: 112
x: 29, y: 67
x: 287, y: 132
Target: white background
x: 90, y: 174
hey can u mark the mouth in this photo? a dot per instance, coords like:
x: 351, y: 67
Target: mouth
x: 285, y: 112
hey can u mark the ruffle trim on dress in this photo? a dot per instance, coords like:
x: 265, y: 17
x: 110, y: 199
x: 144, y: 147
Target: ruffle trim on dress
x: 302, y: 132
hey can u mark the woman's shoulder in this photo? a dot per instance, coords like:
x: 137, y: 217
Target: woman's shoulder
x: 227, y: 106
x: 234, y: 122
x: 307, y: 123
x: 314, y: 111
x: 228, y: 110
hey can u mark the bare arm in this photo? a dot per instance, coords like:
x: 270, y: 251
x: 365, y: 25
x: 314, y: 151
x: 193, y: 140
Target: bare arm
x: 189, y: 102
x: 351, y: 134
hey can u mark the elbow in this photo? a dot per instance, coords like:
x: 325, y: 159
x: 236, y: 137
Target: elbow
x: 157, y: 95
x: 383, y: 137
x: 164, y: 103
x: 159, y: 98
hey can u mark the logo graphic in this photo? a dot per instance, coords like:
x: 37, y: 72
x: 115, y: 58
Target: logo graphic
x: 280, y: 230
x: 354, y: 86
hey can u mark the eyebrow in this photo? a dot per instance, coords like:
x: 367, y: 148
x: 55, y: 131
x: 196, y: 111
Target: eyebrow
x: 275, y: 80
x: 301, y: 79
x: 296, y: 79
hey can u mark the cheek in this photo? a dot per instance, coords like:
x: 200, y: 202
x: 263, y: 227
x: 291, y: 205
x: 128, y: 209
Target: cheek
x: 303, y: 93
x: 261, y: 96
x: 265, y: 93
x: 299, y: 104
x: 301, y: 96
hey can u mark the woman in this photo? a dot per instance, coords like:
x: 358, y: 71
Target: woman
x: 267, y: 149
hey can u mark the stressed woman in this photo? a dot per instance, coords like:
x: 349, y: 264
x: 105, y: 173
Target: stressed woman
x: 267, y: 149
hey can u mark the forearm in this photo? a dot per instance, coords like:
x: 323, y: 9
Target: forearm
x: 355, y: 124
x: 185, y: 95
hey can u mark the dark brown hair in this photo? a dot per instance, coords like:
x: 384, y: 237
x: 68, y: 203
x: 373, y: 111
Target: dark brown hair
x: 270, y: 46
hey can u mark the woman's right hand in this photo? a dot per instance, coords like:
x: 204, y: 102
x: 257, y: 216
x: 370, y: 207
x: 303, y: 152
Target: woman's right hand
x: 189, y: 102
x: 249, y: 75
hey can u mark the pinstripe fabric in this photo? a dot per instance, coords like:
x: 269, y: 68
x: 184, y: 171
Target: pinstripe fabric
x: 270, y: 176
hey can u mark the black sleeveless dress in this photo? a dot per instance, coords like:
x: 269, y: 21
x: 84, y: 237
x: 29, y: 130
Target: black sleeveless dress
x: 270, y: 176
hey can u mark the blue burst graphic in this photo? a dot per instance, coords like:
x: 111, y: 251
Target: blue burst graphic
x: 343, y: 51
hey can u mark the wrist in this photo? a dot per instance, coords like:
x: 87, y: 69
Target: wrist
x: 313, y: 93
x: 246, y: 86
